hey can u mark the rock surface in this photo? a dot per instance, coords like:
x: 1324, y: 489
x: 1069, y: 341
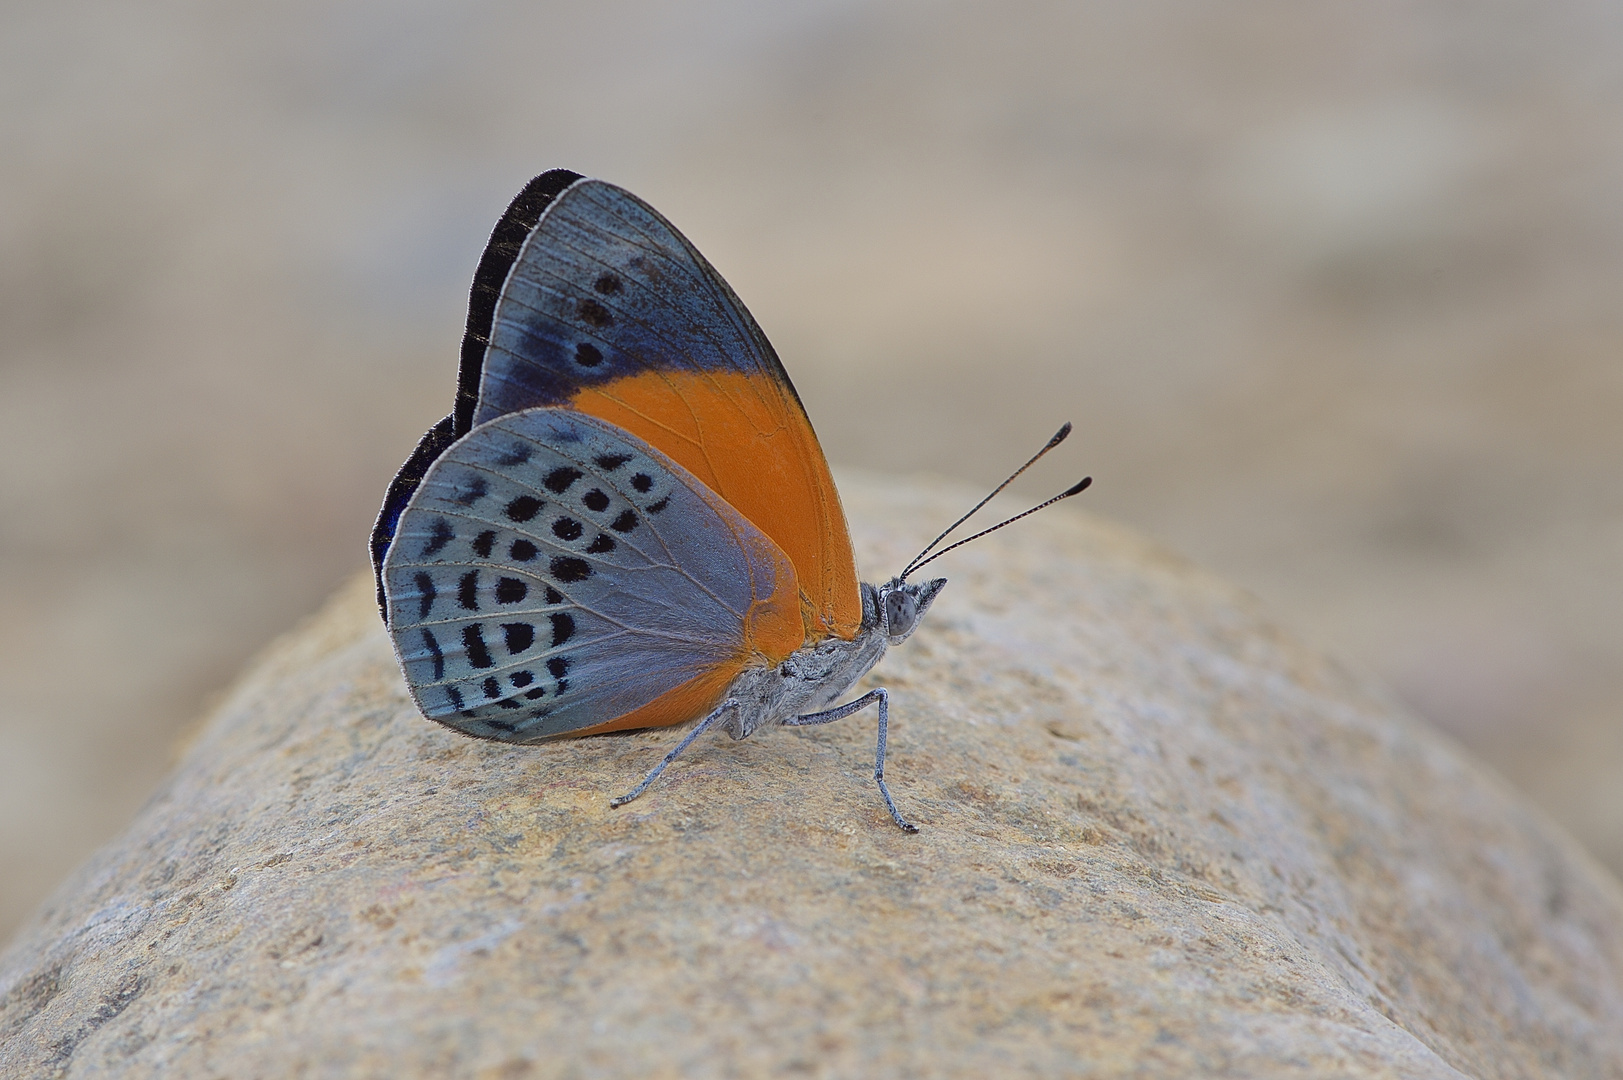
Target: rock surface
x: 1159, y: 837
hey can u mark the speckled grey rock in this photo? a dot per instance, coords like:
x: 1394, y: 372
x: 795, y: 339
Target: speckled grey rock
x: 1159, y: 838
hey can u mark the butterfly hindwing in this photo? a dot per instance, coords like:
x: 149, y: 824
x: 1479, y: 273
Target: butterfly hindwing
x: 553, y: 574
x: 608, y: 309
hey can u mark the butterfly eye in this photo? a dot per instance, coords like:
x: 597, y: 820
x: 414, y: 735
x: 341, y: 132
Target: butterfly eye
x: 901, y: 612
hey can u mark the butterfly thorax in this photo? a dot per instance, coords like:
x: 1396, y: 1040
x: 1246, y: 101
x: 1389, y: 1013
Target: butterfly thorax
x: 815, y: 677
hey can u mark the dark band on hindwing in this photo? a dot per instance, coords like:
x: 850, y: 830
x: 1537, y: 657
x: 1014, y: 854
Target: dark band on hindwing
x: 401, y: 488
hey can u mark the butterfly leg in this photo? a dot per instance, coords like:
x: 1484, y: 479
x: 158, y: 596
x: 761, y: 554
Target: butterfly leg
x: 703, y: 726
x: 882, y: 696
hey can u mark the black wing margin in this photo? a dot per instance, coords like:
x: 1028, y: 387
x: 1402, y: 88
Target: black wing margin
x: 506, y: 239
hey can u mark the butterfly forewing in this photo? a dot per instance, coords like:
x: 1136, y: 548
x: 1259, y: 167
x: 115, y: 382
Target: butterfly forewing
x: 553, y: 573
x: 610, y: 310
x: 606, y: 289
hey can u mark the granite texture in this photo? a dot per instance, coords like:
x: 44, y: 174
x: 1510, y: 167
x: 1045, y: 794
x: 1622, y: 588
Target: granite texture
x: 1159, y: 837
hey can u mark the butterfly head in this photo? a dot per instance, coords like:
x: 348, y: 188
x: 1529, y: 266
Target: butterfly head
x: 896, y: 607
x: 899, y: 605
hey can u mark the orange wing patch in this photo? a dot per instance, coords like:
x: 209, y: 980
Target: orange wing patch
x: 772, y: 630
x: 694, y: 698
x: 757, y: 451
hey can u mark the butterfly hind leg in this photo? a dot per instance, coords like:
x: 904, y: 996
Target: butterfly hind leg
x: 882, y: 696
x: 699, y: 729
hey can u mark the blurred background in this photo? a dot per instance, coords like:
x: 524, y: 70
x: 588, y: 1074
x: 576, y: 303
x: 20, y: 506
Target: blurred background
x: 1333, y: 291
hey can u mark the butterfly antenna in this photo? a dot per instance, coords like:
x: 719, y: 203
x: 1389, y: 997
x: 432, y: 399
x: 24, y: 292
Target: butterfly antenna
x: 1059, y: 437
x: 1080, y: 485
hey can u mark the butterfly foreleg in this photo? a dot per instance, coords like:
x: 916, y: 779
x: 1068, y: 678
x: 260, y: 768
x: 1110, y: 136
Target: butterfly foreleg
x: 840, y: 712
x: 699, y: 729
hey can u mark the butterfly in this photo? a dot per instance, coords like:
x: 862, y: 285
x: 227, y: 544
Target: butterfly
x: 626, y: 521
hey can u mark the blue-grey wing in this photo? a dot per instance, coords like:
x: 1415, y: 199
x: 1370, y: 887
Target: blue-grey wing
x: 603, y: 289
x: 553, y: 572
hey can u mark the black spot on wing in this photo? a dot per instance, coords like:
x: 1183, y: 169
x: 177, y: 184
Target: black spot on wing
x: 467, y: 593
x: 607, y: 284
x: 538, y: 692
x: 473, y: 640
x: 483, y: 543
x: 588, y: 355
x: 660, y: 505
x: 474, y: 490
x: 602, y: 545
x: 642, y: 482
x: 492, y: 688
x: 517, y: 454
x: 554, y: 596
x: 567, y: 529
x: 610, y: 462
x: 563, y: 627
x: 522, y: 551
x: 523, y: 508
x: 559, y: 479
x: 510, y: 590
x: 595, y: 501
x: 454, y: 696
x: 518, y: 637
x: 425, y: 594
x: 521, y: 679
x: 439, y: 534
x: 558, y: 666
x: 435, y: 654
x: 568, y: 569
x: 594, y: 314
x: 625, y: 522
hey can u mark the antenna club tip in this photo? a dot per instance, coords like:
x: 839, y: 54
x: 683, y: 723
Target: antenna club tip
x: 1081, y: 485
x: 1059, y: 437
